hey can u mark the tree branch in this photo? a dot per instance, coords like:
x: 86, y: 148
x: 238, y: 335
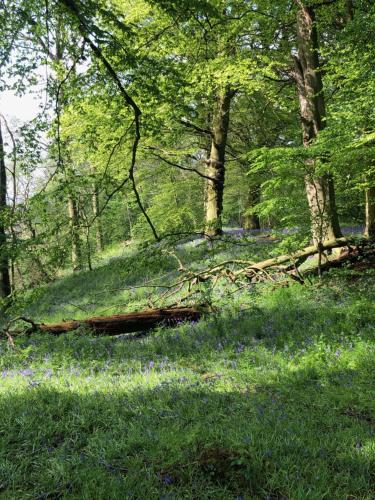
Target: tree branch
x: 85, y: 33
x: 172, y: 164
x: 201, y: 130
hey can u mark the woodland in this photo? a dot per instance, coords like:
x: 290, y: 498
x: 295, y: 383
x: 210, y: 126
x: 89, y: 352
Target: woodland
x: 187, y: 249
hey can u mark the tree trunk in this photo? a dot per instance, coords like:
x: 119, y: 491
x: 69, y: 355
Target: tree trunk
x: 98, y: 224
x: 370, y: 212
x: 5, y: 288
x: 349, y: 10
x: 251, y: 220
x: 319, y: 189
x: 216, y: 165
x: 75, y: 239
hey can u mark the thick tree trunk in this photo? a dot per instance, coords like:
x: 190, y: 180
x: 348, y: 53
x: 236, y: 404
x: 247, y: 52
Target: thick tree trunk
x: 127, y: 323
x: 319, y: 189
x: 98, y: 224
x: 251, y: 220
x: 370, y: 212
x: 75, y: 239
x: 5, y: 287
x: 216, y: 165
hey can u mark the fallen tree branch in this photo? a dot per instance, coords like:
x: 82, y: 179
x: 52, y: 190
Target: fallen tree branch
x: 6, y: 329
x: 301, y: 254
x: 349, y: 256
x: 273, y: 270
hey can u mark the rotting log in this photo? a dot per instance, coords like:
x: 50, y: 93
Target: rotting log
x: 126, y: 323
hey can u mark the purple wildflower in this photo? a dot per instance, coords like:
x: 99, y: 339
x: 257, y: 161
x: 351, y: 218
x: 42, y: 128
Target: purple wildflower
x: 151, y: 364
x: 26, y: 373
x: 240, y: 348
x: 168, y: 479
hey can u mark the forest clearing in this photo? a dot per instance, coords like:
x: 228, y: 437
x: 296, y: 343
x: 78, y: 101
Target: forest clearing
x: 187, y: 249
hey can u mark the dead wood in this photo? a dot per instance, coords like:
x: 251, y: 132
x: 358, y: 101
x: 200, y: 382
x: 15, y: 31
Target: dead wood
x: 127, y: 323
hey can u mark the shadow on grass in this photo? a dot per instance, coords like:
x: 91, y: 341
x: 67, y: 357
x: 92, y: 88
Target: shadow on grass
x: 288, y: 439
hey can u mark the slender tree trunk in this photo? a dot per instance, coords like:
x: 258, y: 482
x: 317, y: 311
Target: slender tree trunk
x: 98, y: 224
x: 5, y: 288
x: 34, y: 256
x: 251, y: 220
x: 129, y: 219
x: 319, y: 189
x: 58, y: 58
x: 216, y: 165
x: 349, y: 10
x: 13, y: 172
x: 370, y: 212
x: 76, y: 243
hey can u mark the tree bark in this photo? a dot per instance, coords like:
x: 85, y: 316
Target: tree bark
x: 75, y: 239
x: 5, y: 287
x: 216, y: 165
x: 370, y: 212
x: 319, y: 189
x: 251, y: 220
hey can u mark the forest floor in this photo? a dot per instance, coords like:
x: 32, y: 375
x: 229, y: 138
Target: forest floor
x: 271, y: 398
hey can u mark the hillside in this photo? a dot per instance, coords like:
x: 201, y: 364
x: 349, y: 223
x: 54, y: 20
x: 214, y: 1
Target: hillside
x: 272, y: 397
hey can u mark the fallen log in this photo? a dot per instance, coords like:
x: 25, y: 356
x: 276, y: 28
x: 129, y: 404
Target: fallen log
x: 301, y: 254
x: 351, y: 257
x: 126, y: 323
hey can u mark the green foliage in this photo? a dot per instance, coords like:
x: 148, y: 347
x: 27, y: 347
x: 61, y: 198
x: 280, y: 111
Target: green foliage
x: 174, y: 59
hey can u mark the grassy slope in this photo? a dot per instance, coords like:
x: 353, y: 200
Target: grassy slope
x: 103, y: 291
x: 271, y: 399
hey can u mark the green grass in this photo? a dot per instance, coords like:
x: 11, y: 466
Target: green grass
x: 272, y: 398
